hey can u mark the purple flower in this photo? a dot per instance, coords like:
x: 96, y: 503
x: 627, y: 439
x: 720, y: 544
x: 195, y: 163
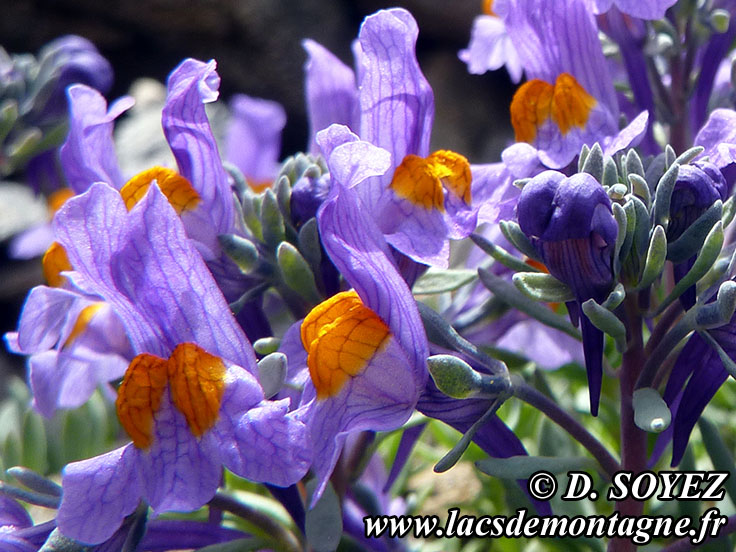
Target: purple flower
x: 253, y: 138
x: 687, y: 398
x: 366, y: 348
x: 569, y: 100
x: 423, y: 199
x: 698, y: 187
x: 570, y: 223
x: 69, y: 60
x: 188, y: 399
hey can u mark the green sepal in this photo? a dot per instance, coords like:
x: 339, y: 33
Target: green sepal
x: 241, y: 250
x: 663, y: 195
x: 615, y: 298
x: 594, y: 163
x: 272, y: 221
x: 457, y: 379
x: 610, y: 175
x: 656, y: 257
x: 688, y: 155
x: 266, y: 345
x: 640, y: 189
x: 309, y: 244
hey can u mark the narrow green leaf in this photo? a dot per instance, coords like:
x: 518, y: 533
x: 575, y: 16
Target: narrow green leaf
x: 689, y: 154
x: 606, y: 321
x: 513, y: 233
x: 663, y: 195
x: 640, y: 188
x: 691, y: 240
x: 522, y: 467
x: 324, y: 520
x: 501, y: 255
x: 610, y: 175
x: 615, y: 298
x: 507, y: 292
x: 634, y: 166
x: 241, y: 250
x: 309, y: 244
x: 584, y: 152
x: 705, y: 259
x: 651, y: 413
x: 436, y: 280
x: 719, y: 453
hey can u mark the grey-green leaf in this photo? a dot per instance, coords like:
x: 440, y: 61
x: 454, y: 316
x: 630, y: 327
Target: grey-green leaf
x: 324, y: 520
x: 296, y: 272
x: 436, y: 280
x: 651, y: 413
x: 542, y: 287
x: 522, y: 467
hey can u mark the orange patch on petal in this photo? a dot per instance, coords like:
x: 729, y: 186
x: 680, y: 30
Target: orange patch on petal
x: 197, y: 381
x: 54, y: 262
x: 421, y: 180
x: 177, y: 189
x: 58, y: 198
x: 571, y: 104
x: 340, y: 335
x: 488, y: 7
x: 139, y: 397
x: 566, y: 102
x: 259, y: 186
x: 83, y: 320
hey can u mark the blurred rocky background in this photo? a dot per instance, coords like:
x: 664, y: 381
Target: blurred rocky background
x: 257, y: 44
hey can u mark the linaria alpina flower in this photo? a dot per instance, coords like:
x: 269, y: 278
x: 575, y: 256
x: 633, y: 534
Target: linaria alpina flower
x: 570, y: 223
x: 188, y: 400
x: 365, y: 348
x: 569, y: 99
x: 424, y: 198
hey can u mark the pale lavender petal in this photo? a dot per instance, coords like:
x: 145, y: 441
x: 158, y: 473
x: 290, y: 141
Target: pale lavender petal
x: 31, y: 243
x: 88, y: 154
x: 332, y: 95
x: 547, y: 347
x: 491, y: 48
x: 46, y: 317
x: 396, y: 101
x: 297, y: 374
x: 178, y: 472
x: 380, y: 398
x: 144, y: 265
x: 253, y: 137
x: 98, y: 494
x: 80, y: 371
x: 561, y: 37
x: 628, y: 137
x: 720, y: 128
x: 191, y: 85
x: 351, y: 160
x: 271, y: 445
x: 494, y: 192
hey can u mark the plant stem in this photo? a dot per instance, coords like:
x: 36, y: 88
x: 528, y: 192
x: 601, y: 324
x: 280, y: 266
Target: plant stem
x: 272, y: 530
x: 684, y: 544
x: 633, y: 439
x: 544, y: 404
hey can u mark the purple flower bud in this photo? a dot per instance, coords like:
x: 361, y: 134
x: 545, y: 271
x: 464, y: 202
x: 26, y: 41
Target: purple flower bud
x: 307, y: 195
x: 698, y: 186
x: 570, y: 223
